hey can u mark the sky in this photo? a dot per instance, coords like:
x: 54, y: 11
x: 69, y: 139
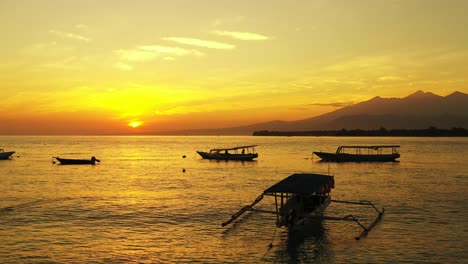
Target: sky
x: 112, y: 67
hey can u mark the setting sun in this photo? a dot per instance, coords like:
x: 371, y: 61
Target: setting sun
x: 135, y: 124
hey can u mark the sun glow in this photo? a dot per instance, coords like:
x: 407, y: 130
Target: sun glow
x: 135, y: 124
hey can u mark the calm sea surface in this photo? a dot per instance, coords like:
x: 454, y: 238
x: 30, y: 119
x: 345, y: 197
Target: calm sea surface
x: 139, y: 206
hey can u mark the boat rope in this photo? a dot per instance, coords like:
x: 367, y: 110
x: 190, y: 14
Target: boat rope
x: 270, y: 246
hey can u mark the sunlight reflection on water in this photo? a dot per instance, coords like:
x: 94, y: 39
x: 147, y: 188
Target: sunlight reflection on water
x: 139, y: 205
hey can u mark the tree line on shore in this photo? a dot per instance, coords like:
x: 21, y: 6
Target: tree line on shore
x: 382, y: 132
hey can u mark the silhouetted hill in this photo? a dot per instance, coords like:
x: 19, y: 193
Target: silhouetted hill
x: 419, y: 110
x: 382, y: 132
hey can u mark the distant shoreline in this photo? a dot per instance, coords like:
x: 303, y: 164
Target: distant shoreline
x: 382, y: 132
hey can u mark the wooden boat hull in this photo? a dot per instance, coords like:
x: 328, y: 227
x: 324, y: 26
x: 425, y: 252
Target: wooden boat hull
x: 314, y: 216
x: 76, y: 161
x: 334, y: 157
x: 221, y: 156
x: 305, y: 216
x: 6, y: 155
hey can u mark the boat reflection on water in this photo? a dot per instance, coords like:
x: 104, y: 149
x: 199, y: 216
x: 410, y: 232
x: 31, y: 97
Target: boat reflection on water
x: 311, y: 238
x: 310, y: 244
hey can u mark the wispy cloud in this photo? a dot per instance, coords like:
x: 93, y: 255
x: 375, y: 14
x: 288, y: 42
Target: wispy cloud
x: 338, y: 104
x: 136, y: 55
x: 228, y: 21
x: 299, y: 108
x: 390, y: 78
x: 69, y: 35
x: 81, y: 26
x: 171, y: 50
x: 150, y: 52
x: 123, y: 66
x: 241, y: 35
x: 200, y: 43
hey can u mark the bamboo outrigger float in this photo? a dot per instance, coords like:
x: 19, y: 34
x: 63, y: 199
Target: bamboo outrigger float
x: 301, y: 199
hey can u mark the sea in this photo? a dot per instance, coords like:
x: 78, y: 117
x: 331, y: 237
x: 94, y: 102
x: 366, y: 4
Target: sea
x: 152, y: 199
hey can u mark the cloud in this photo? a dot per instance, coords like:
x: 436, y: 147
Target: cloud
x: 338, y: 104
x: 171, y: 50
x: 81, y: 26
x: 123, y: 66
x: 390, y: 78
x: 200, y: 43
x: 150, y: 52
x: 136, y: 55
x: 241, y: 35
x: 299, y: 108
x: 69, y: 35
x: 232, y: 20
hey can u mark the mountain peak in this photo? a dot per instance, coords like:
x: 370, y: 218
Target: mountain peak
x: 456, y: 94
x: 376, y: 98
x: 421, y: 95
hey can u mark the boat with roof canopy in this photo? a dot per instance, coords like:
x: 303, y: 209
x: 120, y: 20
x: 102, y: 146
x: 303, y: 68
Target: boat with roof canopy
x: 242, y: 153
x: 301, y: 199
x: 374, y: 153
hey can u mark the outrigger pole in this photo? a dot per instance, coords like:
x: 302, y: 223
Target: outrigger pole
x: 367, y: 229
x: 243, y: 210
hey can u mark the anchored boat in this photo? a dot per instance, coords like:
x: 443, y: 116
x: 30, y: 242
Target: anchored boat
x: 5, y: 155
x: 378, y: 153
x: 301, y: 199
x: 91, y: 161
x: 242, y: 153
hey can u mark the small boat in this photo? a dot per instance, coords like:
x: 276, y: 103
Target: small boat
x: 5, y: 155
x: 378, y: 153
x: 91, y: 161
x: 242, y: 153
x: 301, y: 200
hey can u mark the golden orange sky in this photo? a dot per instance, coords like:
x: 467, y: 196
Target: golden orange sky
x: 105, y: 67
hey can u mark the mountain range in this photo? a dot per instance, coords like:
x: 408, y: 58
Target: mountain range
x: 416, y: 111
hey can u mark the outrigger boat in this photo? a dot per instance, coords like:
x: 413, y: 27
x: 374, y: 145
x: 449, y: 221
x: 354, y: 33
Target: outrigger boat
x: 378, y: 153
x: 91, y: 161
x: 5, y: 155
x: 242, y: 153
x: 301, y: 199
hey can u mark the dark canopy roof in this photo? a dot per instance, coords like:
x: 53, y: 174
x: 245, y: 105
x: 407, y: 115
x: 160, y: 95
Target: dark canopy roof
x: 372, y: 147
x: 240, y: 147
x: 300, y: 183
